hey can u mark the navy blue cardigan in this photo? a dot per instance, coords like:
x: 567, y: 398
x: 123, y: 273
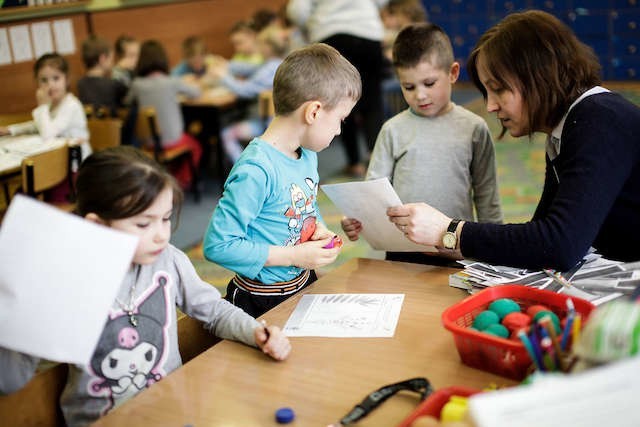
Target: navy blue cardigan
x: 595, y: 203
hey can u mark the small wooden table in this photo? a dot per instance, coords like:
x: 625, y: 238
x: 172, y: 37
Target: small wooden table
x: 235, y: 385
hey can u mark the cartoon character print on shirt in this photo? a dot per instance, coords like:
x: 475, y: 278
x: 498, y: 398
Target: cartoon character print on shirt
x: 301, y: 213
x: 130, y: 358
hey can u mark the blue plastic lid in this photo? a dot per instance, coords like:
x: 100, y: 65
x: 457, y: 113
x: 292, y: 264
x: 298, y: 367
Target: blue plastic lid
x: 285, y: 415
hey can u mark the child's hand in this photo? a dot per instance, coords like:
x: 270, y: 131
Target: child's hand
x: 4, y: 130
x: 351, y: 227
x: 322, y: 232
x: 42, y: 96
x: 312, y: 254
x: 272, y: 341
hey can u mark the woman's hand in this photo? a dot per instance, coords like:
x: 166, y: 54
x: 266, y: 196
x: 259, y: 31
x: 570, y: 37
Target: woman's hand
x: 272, y: 341
x: 420, y: 223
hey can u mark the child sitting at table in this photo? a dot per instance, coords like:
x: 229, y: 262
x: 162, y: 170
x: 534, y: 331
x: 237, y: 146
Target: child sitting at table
x: 267, y: 227
x: 127, y: 51
x: 153, y: 87
x: 193, y: 65
x: 59, y: 113
x: 435, y: 151
x: 273, y: 46
x: 123, y: 189
x: 97, y: 89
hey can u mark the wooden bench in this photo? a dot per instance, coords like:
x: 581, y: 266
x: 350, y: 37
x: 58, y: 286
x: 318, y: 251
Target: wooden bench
x: 37, y: 404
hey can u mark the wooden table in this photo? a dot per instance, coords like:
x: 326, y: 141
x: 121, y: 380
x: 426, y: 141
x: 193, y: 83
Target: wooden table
x: 235, y: 385
x: 208, y: 109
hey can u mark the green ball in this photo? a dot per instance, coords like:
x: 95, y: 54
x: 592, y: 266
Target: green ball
x: 498, y: 330
x: 554, y: 319
x: 484, y: 319
x: 504, y: 306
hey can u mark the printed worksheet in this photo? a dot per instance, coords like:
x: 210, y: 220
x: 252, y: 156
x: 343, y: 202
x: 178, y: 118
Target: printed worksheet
x: 345, y: 315
x: 367, y: 201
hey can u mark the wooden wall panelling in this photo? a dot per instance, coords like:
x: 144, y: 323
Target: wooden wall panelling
x: 17, y: 84
x: 172, y: 23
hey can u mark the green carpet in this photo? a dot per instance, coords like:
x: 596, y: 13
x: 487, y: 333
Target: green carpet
x: 520, y: 177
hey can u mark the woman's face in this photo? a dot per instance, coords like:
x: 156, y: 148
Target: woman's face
x: 506, y: 103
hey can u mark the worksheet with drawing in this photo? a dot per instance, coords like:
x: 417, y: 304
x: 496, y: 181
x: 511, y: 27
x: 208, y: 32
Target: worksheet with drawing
x: 345, y: 315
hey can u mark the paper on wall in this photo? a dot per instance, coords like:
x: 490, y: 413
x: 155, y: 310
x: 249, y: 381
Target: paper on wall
x: 59, y: 276
x: 5, y: 52
x: 65, y: 39
x: 42, y: 40
x: 367, y: 201
x: 20, y: 43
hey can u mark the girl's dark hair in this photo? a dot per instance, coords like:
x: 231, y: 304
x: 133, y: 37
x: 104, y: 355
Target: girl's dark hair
x: 53, y: 60
x: 120, y: 44
x: 121, y: 182
x: 539, y: 55
x: 152, y: 58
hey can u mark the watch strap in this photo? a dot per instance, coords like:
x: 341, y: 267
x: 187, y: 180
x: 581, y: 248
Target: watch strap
x: 453, y: 225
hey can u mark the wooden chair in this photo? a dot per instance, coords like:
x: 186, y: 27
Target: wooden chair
x: 43, y: 171
x: 147, y: 132
x: 266, y: 109
x: 38, y: 403
x: 104, y: 133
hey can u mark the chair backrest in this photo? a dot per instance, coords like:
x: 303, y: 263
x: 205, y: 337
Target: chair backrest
x: 266, y: 109
x: 45, y: 170
x: 147, y: 130
x: 104, y: 133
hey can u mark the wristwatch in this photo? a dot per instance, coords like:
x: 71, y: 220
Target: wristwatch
x: 449, y: 238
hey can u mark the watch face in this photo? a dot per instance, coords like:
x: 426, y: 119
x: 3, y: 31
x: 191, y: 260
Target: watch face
x: 449, y: 240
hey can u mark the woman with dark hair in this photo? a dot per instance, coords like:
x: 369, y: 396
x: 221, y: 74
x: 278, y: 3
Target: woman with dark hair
x: 536, y: 76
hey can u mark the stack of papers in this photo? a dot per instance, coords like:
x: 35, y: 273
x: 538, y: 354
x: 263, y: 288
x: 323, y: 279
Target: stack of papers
x: 595, y: 278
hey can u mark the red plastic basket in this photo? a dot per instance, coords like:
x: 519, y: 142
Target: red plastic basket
x: 498, y: 355
x: 433, y: 404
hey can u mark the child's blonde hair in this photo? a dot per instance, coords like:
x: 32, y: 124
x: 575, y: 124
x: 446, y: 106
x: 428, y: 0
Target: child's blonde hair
x: 314, y: 73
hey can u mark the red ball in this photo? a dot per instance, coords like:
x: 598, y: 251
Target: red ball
x: 534, y: 309
x: 516, y: 321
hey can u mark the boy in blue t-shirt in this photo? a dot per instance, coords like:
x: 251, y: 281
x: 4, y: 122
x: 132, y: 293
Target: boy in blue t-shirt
x: 267, y: 227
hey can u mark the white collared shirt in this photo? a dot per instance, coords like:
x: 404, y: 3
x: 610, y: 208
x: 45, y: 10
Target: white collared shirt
x: 553, y: 141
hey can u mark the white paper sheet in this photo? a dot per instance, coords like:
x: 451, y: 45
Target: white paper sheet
x: 59, y: 276
x: 20, y: 43
x: 65, y: 39
x: 367, y: 201
x: 42, y: 40
x: 345, y: 315
x: 605, y: 396
x: 5, y: 51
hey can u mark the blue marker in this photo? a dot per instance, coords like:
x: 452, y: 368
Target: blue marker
x: 529, y: 347
x: 567, y: 331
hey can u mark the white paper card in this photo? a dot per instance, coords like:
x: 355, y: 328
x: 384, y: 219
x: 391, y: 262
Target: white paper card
x: 5, y: 51
x: 63, y: 33
x: 42, y: 40
x: 598, y: 397
x: 59, y: 276
x: 345, y: 315
x: 20, y: 43
x: 367, y: 201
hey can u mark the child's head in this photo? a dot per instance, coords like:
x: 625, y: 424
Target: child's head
x: 122, y: 188
x: 423, y: 60
x: 273, y: 42
x: 534, y: 54
x: 194, y: 51
x: 243, y: 38
x: 320, y: 83
x: 96, y: 52
x: 397, y: 14
x: 314, y: 73
x: 153, y: 58
x: 127, y: 51
x: 51, y: 72
x: 262, y: 18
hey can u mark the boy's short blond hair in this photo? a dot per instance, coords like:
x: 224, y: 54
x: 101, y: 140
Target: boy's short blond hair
x: 422, y: 42
x: 192, y: 46
x: 92, y: 49
x: 314, y: 73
